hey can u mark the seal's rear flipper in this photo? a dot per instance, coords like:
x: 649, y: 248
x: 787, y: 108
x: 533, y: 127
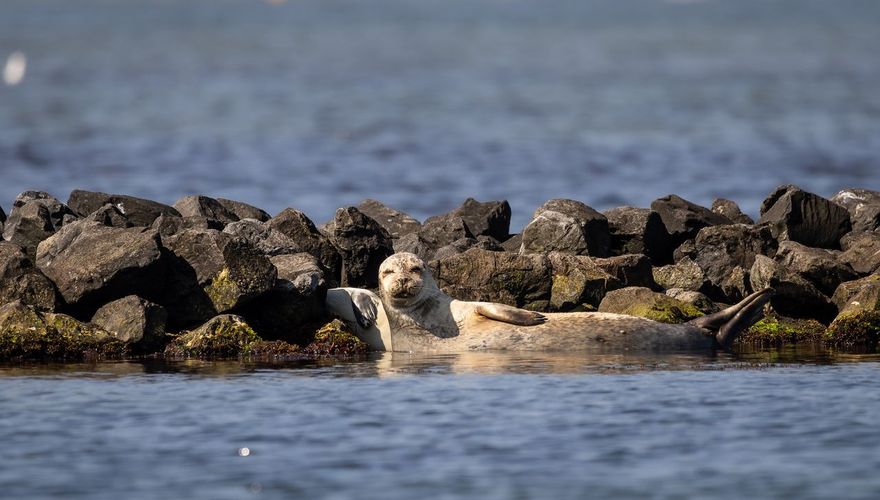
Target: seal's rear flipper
x: 730, y: 322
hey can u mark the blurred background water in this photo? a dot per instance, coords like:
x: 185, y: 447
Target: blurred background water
x: 318, y: 104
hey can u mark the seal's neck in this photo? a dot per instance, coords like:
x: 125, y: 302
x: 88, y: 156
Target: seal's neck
x: 427, y: 314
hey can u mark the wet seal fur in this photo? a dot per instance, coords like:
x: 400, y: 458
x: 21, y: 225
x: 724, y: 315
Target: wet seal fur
x: 412, y: 314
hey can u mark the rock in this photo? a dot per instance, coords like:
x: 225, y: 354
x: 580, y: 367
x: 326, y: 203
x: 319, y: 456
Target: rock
x: 794, y: 214
x: 630, y: 270
x: 92, y: 264
x: 685, y: 275
x: 335, y: 339
x: 730, y: 210
x: 687, y: 250
x: 577, y: 281
x: 696, y: 299
x: 412, y: 244
x: 440, y: 231
x: 138, y: 322
x: 30, y: 287
x: 795, y: 296
x: 26, y: 333
x: 459, y: 246
x: 291, y: 308
x: 737, y: 284
x: 863, y: 206
x: 852, y: 295
x: 267, y: 240
x: 861, y: 251
x: 299, y: 228
x: 138, y: 211
x: 483, y: 275
x: 167, y: 225
x: 243, y: 210
x: 13, y: 260
x: 223, y: 336
x: 567, y: 226
x: 212, y: 272
x: 397, y: 223
x: 110, y: 215
x: 640, y: 301
x: 720, y: 249
x: 858, y: 324
x: 684, y: 219
x: 512, y: 244
x: 191, y: 206
x: 819, y: 266
x: 491, y: 218
x: 639, y: 230
x: 35, y: 216
x: 363, y: 244
x: 776, y: 331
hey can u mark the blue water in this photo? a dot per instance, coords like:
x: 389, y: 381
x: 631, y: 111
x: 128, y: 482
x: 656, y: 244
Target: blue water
x: 318, y: 104
x: 471, y: 426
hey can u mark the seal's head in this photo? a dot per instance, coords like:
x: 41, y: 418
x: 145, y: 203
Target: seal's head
x: 403, y: 278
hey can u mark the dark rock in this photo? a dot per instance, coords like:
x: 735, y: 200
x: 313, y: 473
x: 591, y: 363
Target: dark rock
x: 167, y: 225
x: 459, y: 246
x: 412, y: 244
x: 639, y: 301
x: 684, y: 219
x: 639, y: 230
x: 861, y: 251
x: 135, y: 321
x: 491, y: 218
x: 26, y: 333
x: 110, y: 215
x: 858, y: 295
x: 794, y: 214
x: 301, y: 272
x: 819, y: 266
x: 267, y: 240
x: 696, y: 299
x: 59, y: 213
x: 191, y: 206
x: 687, y: 250
x: 296, y: 226
x: 443, y: 230
x: 30, y: 287
x: 35, y: 216
x: 223, y: 336
x: 13, y: 260
x: 736, y: 284
x: 363, y: 245
x: 577, y: 280
x: 212, y: 272
x: 92, y: 264
x: 243, y: 210
x: 731, y: 210
x: 335, y: 339
x: 512, y: 244
x: 858, y: 324
x: 795, y: 296
x: 138, y: 211
x: 483, y: 275
x: 863, y: 206
x: 685, y: 275
x: 630, y: 270
x: 720, y: 249
x: 397, y: 223
x: 567, y: 226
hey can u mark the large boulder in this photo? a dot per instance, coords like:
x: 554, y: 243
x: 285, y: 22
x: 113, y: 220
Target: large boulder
x: 299, y: 228
x: 858, y: 323
x: 363, y: 244
x: 577, y: 281
x: 819, y: 266
x: 19, y: 280
x: 138, y: 211
x: 267, y: 240
x: 92, y: 264
x: 439, y: 231
x: 167, y: 225
x: 861, y: 251
x: 135, y: 321
x: 191, y: 206
x: 639, y: 230
x: 483, y: 275
x: 857, y: 294
x: 640, y: 301
x: 683, y: 275
x: 567, y: 226
x: 696, y: 299
x: 397, y: 223
x: 243, y: 210
x: 863, y: 206
x: 211, y: 273
x: 807, y: 218
x: 730, y: 210
x: 684, y: 219
x: 721, y: 249
x: 462, y: 245
x: 490, y: 218
x: 794, y: 296
x: 110, y: 215
x: 35, y: 216
x: 630, y: 270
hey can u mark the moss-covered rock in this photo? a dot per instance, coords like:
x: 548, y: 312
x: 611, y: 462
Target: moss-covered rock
x: 223, y: 336
x: 775, y: 331
x: 26, y: 333
x: 639, y: 301
x: 854, y: 329
x: 335, y: 339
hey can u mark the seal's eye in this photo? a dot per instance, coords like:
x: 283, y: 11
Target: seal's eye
x: 415, y: 270
x: 386, y: 272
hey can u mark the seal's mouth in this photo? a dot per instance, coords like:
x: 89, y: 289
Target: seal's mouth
x: 401, y: 293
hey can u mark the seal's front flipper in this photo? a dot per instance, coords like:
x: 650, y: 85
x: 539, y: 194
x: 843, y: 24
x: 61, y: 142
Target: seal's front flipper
x: 730, y: 322
x: 508, y: 314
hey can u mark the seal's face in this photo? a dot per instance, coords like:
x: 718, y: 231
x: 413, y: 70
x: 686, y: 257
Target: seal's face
x: 402, y: 277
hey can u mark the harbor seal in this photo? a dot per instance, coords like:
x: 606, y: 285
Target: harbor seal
x: 412, y: 314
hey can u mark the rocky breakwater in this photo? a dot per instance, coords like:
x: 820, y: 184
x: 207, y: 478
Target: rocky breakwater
x: 115, y: 275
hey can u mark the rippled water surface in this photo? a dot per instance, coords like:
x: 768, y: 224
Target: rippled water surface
x: 317, y: 104
x: 462, y: 426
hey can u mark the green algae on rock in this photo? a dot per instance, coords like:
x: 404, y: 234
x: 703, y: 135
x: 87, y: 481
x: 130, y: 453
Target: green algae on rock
x: 640, y: 301
x: 775, y: 331
x: 855, y: 329
x: 223, y: 336
x: 335, y: 339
